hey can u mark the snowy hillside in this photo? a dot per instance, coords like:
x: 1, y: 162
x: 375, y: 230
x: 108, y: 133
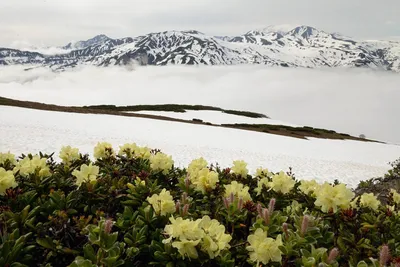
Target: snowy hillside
x: 301, y: 46
x: 325, y: 160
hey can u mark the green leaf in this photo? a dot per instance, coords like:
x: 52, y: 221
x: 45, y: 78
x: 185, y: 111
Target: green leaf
x: 362, y: 264
x: 89, y: 252
x: 17, y: 264
x: 46, y: 243
x: 81, y: 262
x: 305, y: 253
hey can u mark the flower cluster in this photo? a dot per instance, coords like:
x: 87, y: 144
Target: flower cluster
x: 368, y: 200
x: 7, y: 157
x: 195, y: 166
x: 332, y: 197
x: 187, y: 235
x: 161, y: 162
x: 260, y: 172
x: 238, y: 190
x: 7, y: 180
x: 68, y: 154
x: 162, y: 203
x: 87, y: 173
x: 280, y: 183
x: 396, y: 196
x: 308, y: 187
x: 132, y: 150
x: 240, y: 168
x: 201, y: 177
x: 264, y: 249
x: 36, y: 165
x: 103, y: 150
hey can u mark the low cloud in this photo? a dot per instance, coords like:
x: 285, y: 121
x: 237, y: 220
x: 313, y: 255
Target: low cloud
x: 26, y: 46
x: 353, y: 101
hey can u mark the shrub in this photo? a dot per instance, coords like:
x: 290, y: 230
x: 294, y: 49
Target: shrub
x: 135, y: 208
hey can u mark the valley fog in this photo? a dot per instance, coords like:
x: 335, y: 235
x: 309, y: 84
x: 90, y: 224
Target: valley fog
x: 353, y: 101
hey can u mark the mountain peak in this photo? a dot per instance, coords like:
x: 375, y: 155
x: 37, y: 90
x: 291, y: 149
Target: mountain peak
x: 272, y: 29
x: 304, y: 31
x: 98, y: 39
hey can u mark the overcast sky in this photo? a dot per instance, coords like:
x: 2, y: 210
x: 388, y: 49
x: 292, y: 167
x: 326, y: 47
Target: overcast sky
x: 57, y: 22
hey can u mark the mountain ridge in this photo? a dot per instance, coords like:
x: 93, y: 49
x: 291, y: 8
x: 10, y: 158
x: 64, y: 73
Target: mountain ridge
x: 303, y: 46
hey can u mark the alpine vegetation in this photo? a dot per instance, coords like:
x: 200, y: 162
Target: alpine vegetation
x: 133, y: 207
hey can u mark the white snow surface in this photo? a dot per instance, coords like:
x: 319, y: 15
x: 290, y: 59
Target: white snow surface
x: 213, y: 116
x: 31, y: 131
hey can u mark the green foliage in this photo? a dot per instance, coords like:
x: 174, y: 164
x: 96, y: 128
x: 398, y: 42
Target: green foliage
x: 50, y: 221
x: 175, y: 108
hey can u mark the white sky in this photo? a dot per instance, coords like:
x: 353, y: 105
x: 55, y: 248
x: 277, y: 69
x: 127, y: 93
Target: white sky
x: 57, y: 22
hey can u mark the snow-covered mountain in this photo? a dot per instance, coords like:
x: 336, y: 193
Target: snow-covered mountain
x: 99, y: 39
x: 302, y: 46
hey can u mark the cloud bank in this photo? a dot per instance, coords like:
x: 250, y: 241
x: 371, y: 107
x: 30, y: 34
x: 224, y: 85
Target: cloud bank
x: 346, y: 100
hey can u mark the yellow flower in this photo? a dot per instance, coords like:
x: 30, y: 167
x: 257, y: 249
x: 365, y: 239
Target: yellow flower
x: 86, y: 173
x: 308, y: 186
x: 215, y: 240
x: 282, y: 183
x: 161, y: 162
x: 240, y: 168
x: 162, y: 203
x: 343, y: 196
x: 206, y: 179
x: 183, y: 229
x: 263, y: 182
x: 370, y: 201
x: 207, y: 233
x: 128, y: 150
x: 28, y: 166
x: 143, y: 152
x: 69, y: 154
x: 260, y: 172
x: 264, y: 249
x: 396, y: 196
x: 238, y: 190
x: 7, y: 180
x: 187, y: 248
x: 330, y: 197
x: 7, y: 156
x: 103, y: 150
x: 195, y: 166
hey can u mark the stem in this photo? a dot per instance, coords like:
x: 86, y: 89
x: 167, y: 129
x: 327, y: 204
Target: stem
x: 240, y: 244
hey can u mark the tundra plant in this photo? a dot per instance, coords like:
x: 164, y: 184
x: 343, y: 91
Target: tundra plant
x: 136, y: 208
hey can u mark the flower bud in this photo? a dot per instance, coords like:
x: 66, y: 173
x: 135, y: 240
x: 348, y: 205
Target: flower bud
x: 178, y: 206
x: 384, y: 255
x: 285, y: 230
x: 184, y: 197
x: 265, y: 213
x: 187, y: 183
x: 185, y: 210
x: 108, y: 226
x: 259, y: 210
x: 226, y: 202
x: 240, y: 204
x: 232, y: 198
x: 271, y: 205
x: 130, y: 186
x: 304, y: 225
x: 332, y: 255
